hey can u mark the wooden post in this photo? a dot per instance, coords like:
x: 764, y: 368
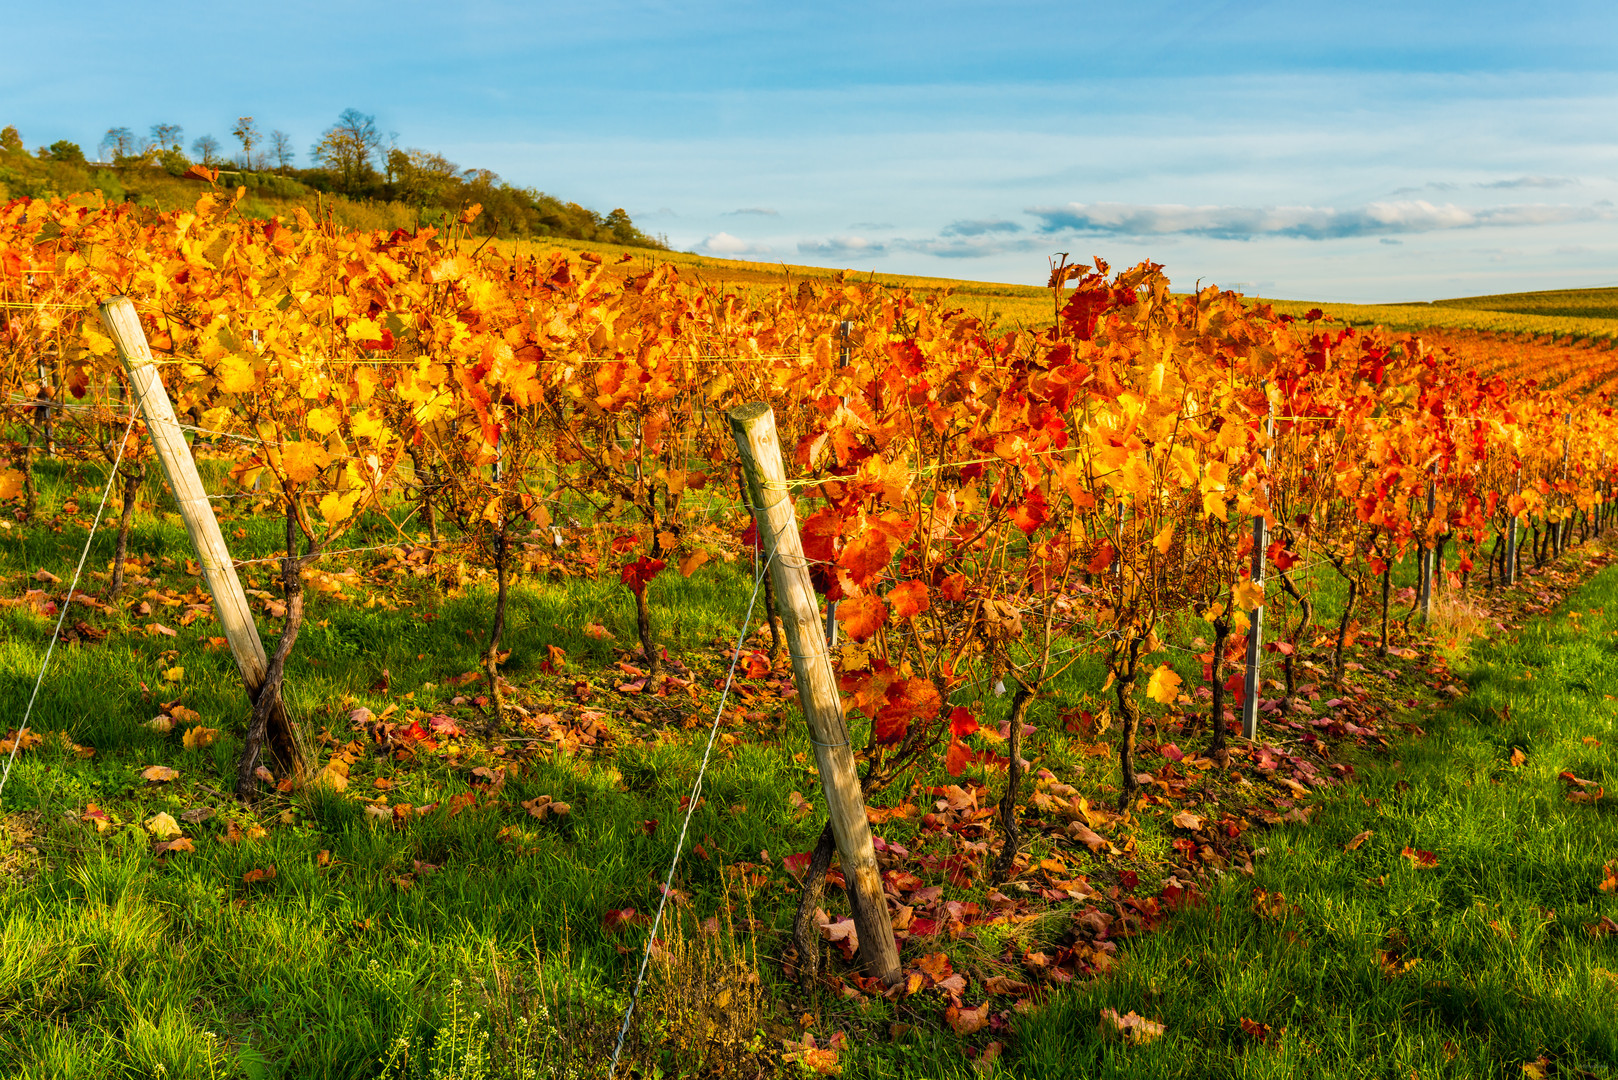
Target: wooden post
x: 168, y: 441
x: 1252, y: 684
x: 753, y: 425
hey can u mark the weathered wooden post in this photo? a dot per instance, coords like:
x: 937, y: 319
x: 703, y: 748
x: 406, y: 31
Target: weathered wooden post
x: 753, y: 425
x: 168, y: 442
x: 1428, y: 565
x: 844, y: 329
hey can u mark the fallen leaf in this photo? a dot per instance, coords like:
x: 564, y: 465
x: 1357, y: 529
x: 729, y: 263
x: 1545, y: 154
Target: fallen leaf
x: 198, y: 737
x: 1131, y: 1027
x: 596, y: 631
x: 174, y: 674
x: 163, y: 826
x: 1185, y: 819
x: 252, y: 877
x: 157, y: 774
x: 1359, y: 839
x: 967, y: 1021
x: 184, y: 843
x: 1419, y: 858
x: 1517, y: 756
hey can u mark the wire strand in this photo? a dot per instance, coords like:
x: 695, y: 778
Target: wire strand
x: 67, y: 601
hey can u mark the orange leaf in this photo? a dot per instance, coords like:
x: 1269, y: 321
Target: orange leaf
x: 862, y: 616
x: 909, y: 598
x: 967, y: 1021
x: 254, y: 876
x: 1359, y: 839
x: 906, y: 701
x: 157, y: 774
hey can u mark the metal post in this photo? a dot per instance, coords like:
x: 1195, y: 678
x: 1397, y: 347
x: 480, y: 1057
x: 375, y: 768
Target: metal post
x: 1255, y: 633
x: 844, y: 328
x: 1427, y: 552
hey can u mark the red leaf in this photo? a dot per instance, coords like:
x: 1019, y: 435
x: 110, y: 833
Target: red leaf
x: 961, y: 722
x: 906, y: 701
x: 639, y: 574
x: 1032, y: 513
x: 958, y: 757
x: 866, y: 556
x: 1103, y: 558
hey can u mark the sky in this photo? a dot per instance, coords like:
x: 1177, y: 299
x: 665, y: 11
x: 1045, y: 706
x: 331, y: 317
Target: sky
x: 1369, y: 152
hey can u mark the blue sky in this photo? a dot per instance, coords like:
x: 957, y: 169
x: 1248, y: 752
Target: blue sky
x: 1370, y: 152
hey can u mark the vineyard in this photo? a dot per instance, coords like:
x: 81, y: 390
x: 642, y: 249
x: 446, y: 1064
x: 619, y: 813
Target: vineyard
x: 1151, y: 541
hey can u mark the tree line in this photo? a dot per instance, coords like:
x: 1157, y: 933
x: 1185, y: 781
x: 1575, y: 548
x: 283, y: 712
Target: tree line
x: 351, y: 159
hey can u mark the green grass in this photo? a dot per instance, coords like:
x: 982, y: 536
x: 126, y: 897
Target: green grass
x: 1505, y: 970
x: 114, y: 961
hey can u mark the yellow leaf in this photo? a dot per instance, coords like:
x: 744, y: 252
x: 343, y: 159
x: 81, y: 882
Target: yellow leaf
x: 1164, y: 539
x: 174, y: 674
x: 10, y: 483
x: 198, y: 737
x: 162, y: 826
x: 1248, y: 594
x: 302, y: 461
x: 689, y: 564
x: 364, y: 330
x: 1213, y: 504
x: 323, y: 421
x: 336, y: 507
x: 334, y: 775
x: 371, y: 424
x: 236, y: 375
x: 1164, y: 685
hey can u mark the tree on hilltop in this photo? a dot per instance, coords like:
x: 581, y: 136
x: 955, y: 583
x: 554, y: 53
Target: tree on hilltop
x: 348, y: 147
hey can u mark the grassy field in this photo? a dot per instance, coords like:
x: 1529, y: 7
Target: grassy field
x: 427, y: 923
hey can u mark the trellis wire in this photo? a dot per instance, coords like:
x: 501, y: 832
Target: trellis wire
x: 61, y: 616
x: 690, y: 809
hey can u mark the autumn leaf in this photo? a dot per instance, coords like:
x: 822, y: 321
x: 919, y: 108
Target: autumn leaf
x: 693, y: 561
x: 862, y: 616
x: 1517, y: 756
x: 163, y: 826
x: 638, y: 575
x: 184, y: 843
x: 1164, y: 539
x: 198, y: 737
x: 1359, y: 839
x: 174, y: 674
x: 596, y: 632
x: 908, y: 598
x: 157, y: 774
x: 1164, y: 685
x: 1131, y: 1027
x: 906, y: 702
x: 962, y: 722
x: 334, y: 775
x: 1419, y: 858
x: 1185, y: 819
x: 967, y: 1021
x: 253, y: 877
x: 1248, y: 594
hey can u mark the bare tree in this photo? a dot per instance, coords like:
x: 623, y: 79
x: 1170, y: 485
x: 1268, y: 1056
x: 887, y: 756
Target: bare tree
x: 119, y: 140
x: 281, y: 149
x: 167, y: 136
x: 207, y: 150
x: 348, y: 146
x: 246, y: 133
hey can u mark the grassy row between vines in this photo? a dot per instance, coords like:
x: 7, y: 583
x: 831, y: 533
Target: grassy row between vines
x: 474, y: 944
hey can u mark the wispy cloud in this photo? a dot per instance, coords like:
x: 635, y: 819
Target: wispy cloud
x: 722, y: 243
x: 755, y: 211
x: 1303, y: 222
x: 842, y: 245
x: 1529, y: 182
x: 979, y: 228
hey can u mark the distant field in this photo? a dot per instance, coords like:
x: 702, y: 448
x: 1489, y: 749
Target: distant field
x: 996, y: 302
x: 1581, y: 313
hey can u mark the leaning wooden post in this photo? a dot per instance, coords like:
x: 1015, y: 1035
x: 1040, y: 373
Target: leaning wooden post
x: 1428, y: 564
x: 168, y: 441
x: 753, y: 425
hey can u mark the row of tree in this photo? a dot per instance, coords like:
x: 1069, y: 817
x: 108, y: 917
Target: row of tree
x: 352, y: 159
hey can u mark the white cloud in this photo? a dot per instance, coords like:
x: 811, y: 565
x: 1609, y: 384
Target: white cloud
x: 842, y: 245
x: 1305, y: 222
x: 722, y: 243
